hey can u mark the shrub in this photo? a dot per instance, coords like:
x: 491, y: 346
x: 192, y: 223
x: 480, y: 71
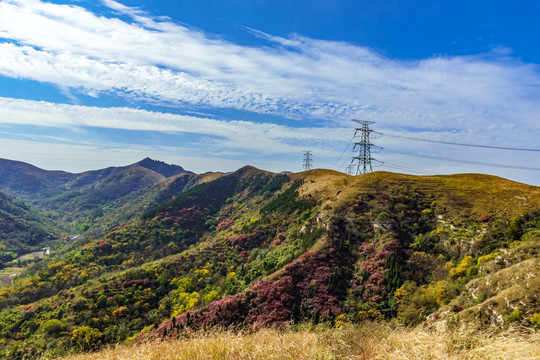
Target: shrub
x: 514, y: 316
x: 370, y: 315
x: 101, y: 301
x: 120, y: 311
x: 480, y: 298
x: 535, y: 320
x: 53, y: 327
x: 461, y: 268
x: 488, y: 257
x: 472, y: 271
x: 341, y: 321
x: 416, y: 302
x: 514, y: 230
x: 86, y: 338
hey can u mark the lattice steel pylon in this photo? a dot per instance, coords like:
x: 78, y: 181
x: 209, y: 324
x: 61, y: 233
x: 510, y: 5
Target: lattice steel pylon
x: 308, y: 160
x: 364, y: 147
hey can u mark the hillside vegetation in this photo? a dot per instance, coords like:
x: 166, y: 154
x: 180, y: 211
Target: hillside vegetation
x: 252, y: 249
x: 92, y: 200
x: 22, y: 229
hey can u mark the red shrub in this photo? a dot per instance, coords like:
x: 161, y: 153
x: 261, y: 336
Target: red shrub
x: 485, y: 218
x: 392, y: 246
x: 376, y: 278
x: 225, y: 223
x: 368, y: 266
x: 367, y: 248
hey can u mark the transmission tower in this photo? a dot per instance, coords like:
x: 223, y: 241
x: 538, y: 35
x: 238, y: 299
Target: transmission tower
x: 308, y: 160
x: 363, y: 146
x: 350, y: 168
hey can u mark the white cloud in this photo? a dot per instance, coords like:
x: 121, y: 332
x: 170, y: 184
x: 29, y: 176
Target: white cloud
x: 165, y: 62
x: 263, y: 138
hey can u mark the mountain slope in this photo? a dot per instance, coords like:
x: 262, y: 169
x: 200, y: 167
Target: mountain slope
x: 28, y: 182
x: 32, y: 183
x: 384, y: 227
x: 162, y: 168
x: 253, y: 248
x: 22, y: 229
x: 82, y: 200
x: 96, y: 188
x: 506, y: 289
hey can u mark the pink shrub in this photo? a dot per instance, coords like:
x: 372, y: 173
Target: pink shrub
x: 225, y: 223
x: 367, y: 248
x: 391, y: 246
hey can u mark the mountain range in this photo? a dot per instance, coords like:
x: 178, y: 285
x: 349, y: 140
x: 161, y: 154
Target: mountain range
x: 80, y: 199
x: 34, y: 184
x: 164, y: 252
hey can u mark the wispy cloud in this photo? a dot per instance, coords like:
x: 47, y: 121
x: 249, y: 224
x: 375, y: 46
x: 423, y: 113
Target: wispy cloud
x: 263, y: 138
x: 159, y: 60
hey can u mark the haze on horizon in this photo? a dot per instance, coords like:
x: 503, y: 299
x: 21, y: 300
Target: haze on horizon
x: 214, y: 86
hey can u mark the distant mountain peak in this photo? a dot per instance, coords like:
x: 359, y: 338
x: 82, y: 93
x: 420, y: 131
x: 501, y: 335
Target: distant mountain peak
x: 167, y: 170
x: 248, y: 169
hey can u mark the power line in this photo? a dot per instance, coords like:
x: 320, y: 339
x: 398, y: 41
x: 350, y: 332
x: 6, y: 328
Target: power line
x: 461, y: 144
x: 349, y: 144
x: 405, y: 169
x: 462, y: 161
x: 319, y: 159
x: 399, y: 167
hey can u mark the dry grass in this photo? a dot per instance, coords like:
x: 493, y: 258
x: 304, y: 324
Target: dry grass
x: 473, y: 194
x: 370, y: 341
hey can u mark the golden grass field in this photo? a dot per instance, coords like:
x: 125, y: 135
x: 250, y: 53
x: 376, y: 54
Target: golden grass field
x: 368, y: 341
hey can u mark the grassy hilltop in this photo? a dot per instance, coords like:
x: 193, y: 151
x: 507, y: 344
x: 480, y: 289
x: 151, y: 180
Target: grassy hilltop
x: 338, y: 266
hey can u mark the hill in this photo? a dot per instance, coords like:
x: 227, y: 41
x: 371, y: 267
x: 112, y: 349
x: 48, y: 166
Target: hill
x: 28, y: 182
x: 82, y: 201
x: 162, y: 168
x: 32, y: 183
x: 22, y: 229
x: 253, y: 249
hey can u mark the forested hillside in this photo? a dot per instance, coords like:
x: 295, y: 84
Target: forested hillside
x: 22, y: 229
x: 253, y: 249
x: 38, y: 185
x: 93, y: 200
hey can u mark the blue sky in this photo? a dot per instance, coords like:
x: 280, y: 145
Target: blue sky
x: 215, y: 85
